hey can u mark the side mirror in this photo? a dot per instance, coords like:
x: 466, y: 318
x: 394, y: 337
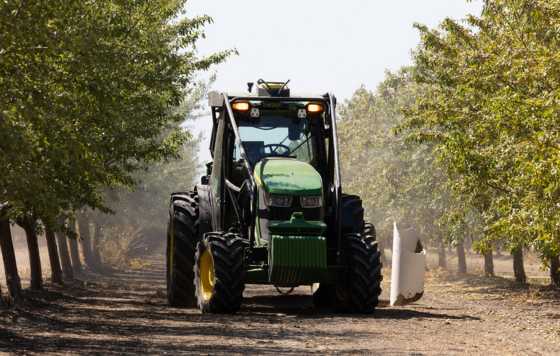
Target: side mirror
x: 209, y: 166
x: 204, y: 180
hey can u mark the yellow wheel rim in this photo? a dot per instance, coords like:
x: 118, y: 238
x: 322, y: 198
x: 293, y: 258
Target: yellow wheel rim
x: 207, y: 279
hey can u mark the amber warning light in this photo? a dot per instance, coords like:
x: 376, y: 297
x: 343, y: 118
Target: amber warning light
x: 241, y: 106
x: 314, y: 108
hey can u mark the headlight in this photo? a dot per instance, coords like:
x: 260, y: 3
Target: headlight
x: 280, y: 201
x: 311, y: 202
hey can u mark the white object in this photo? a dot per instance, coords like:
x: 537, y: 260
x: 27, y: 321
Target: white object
x: 408, y: 266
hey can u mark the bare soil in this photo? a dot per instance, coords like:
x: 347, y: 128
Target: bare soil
x: 126, y: 313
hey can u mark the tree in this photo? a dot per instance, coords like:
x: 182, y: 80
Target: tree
x: 8, y: 256
x: 56, y: 270
x: 555, y: 270
x: 30, y: 225
x: 490, y: 108
x: 75, y: 121
x: 140, y: 213
x: 73, y: 246
x: 85, y: 239
x: 518, y: 267
x: 398, y: 180
x: 64, y: 253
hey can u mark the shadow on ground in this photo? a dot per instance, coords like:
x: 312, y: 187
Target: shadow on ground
x: 499, y: 287
x: 126, y: 313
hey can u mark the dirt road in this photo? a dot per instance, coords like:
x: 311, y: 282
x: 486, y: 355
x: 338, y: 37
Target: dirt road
x: 126, y: 314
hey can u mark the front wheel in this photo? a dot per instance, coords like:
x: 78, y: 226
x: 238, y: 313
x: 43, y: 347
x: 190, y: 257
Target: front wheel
x: 220, y: 273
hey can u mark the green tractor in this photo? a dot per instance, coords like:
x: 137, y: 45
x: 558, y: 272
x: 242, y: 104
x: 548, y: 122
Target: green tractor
x: 270, y: 209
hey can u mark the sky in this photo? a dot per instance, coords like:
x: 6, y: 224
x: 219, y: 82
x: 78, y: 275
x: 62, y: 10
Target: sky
x: 320, y: 45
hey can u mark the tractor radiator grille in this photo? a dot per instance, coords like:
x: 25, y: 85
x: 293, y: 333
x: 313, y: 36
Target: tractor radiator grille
x: 296, y: 260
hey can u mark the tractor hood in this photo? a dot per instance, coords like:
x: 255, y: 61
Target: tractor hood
x: 288, y: 176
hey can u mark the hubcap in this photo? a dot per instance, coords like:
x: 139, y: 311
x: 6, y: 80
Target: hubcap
x: 207, y: 279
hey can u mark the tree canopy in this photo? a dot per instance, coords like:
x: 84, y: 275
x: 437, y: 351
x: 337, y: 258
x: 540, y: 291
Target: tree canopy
x: 87, y: 96
x: 491, y: 108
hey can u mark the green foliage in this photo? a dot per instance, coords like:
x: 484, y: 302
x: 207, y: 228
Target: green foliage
x: 143, y: 209
x: 88, y: 91
x: 491, y: 110
x: 398, y: 180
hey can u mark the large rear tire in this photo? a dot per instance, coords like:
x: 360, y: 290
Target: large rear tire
x: 182, y: 237
x: 220, y: 273
x: 359, y: 293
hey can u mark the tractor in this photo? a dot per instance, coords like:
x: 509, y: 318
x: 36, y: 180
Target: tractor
x: 270, y: 209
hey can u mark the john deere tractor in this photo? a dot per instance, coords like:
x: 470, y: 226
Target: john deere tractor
x: 270, y: 209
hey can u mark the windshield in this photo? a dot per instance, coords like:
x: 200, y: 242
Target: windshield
x: 276, y: 136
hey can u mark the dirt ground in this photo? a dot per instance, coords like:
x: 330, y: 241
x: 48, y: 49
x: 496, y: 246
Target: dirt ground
x: 126, y: 313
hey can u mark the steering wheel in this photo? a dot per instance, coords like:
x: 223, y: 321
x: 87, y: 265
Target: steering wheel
x: 274, y: 147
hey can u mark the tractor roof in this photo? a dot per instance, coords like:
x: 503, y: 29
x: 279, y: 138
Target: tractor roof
x: 247, y: 94
x: 216, y: 99
x: 263, y: 90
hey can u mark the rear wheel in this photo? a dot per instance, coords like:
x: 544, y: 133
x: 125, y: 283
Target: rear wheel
x: 182, y: 237
x: 369, y: 232
x: 359, y: 293
x: 220, y: 273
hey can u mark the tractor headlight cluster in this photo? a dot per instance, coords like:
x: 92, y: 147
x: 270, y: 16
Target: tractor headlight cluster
x: 311, y: 202
x: 280, y: 201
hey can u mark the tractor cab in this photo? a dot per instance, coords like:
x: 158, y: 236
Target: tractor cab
x: 277, y: 161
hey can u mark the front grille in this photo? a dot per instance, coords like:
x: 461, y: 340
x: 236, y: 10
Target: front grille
x: 276, y: 213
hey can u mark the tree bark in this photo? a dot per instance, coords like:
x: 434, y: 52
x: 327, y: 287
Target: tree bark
x: 56, y: 271
x: 442, y: 258
x: 555, y: 271
x: 461, y: 258
x: 75, y: 254
x: 9, y: 257
x: 64, y: 256
x: 85, y: 241
x: 96, y: 246
x: 488, y: 263
x: 29, y: 225
x: 518, y: 267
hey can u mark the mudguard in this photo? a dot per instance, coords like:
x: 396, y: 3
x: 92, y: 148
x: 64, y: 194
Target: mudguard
x: 408, y: 266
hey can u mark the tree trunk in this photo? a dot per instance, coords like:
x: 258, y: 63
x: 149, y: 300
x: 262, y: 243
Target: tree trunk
x: 85, y: 241
x: 461, y: 258
x: 518, y: 267
x: 56, y: 271
x: 9, y: 257
x: 75, y: 254
x: 29, y: 225
x: 96, y: 246
x: 64, y: 256
x: 442, y: 258
x: 555, y: 271
x: 488, y: 263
